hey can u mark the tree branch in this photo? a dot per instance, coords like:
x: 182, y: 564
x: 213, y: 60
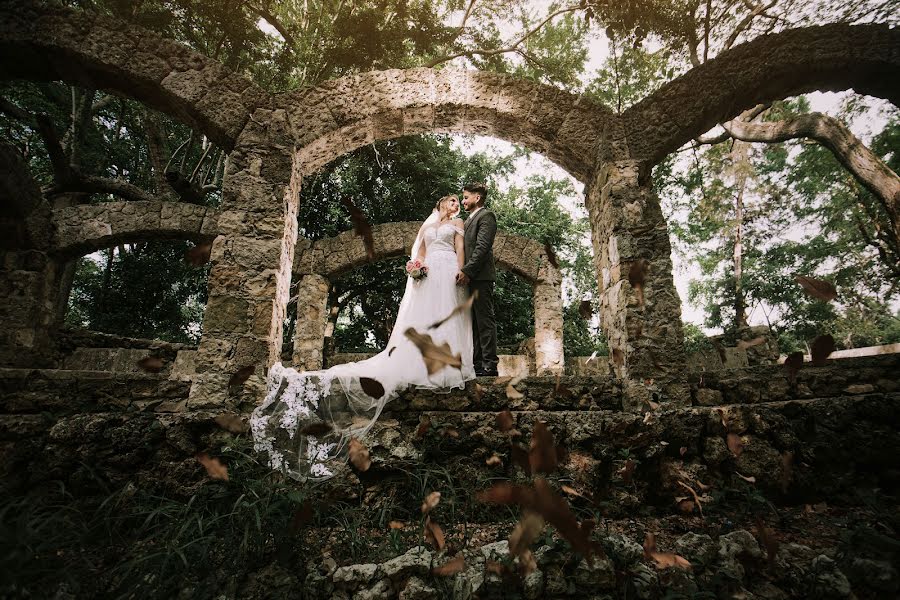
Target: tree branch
x: 755, y: 11
x: 747, y: 115
x: 274, y: 22
x: 92, y: 184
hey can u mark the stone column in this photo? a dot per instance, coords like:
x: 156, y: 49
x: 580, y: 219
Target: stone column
x: 312, y: 320
x: 29, y: 275
x: 646, y: 340
x: 549, y: 356
x: 251, y: 261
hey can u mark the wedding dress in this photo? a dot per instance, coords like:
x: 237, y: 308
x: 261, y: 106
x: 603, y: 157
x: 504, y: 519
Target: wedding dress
x: 308, y: 418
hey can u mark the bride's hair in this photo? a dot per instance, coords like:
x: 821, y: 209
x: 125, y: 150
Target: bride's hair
x: 440, y: 203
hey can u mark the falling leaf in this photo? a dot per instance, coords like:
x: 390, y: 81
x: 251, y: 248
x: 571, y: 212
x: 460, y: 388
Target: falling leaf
x: 396, y: 524
x: 586, y: 310
x: 451, y: 432
x: 479, y: 392
x: 461, y: 308
x: 502, y: 380
x: 663, y: 560
x: 626, y: 472
x: 792, y: 364
x: 685, y: 505
x: 560, y: 388
x: 241, y: 375
x: 199, y: 254
x: 787, y: 470
x: 435, y: 357
x: 519, y: 456
x: 744, y: 344
x: 422, y: 429
x: 431, y: 500
x: 493, y: 461
x: 505, y: 420
x: 371, y: 386
x: 526, y: 531
x: 214, y: 468
x: 434, y: 535
x: 512, y: 393
x: 551, y: 255
x: 301, y: 517
x: 391, y: 351
x: 542, y: 454
x: 768, y: 541
x: 360, y: 226
x: 618, y: 357
x: 151, y: 364
x: 817, y: 288
x: 492, y: 566
x: 359, y: 455
x: 637, y: 275
x: 682, y: 451
x: 591, y: 357
x: 452, y: 567
x: 231, y: 422
x: 820, y: 349
x: 318, y: 429
x: 697, y: 500
x: 735, y: 444
x: 527, y: 563
x: 750, y: 479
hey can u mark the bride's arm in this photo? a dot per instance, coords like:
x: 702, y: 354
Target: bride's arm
x: 420, y: 254
x: 458, y: 243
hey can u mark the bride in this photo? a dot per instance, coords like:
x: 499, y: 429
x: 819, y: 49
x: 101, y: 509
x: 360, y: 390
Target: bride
x: 308, y: 418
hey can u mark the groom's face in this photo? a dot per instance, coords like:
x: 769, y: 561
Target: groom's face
x: 471, y: 200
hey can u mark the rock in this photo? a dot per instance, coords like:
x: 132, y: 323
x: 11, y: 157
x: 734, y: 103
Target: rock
x: 878, y: 575
x: 416, y: 561
x: 623, y: 550
x: 273, y: 581
x: 598, y: 573
x: 715, y: 451
x: 708, y: 397
x: 533, y: 585
x: 555, y: 583
x: 827, y: 580
x: 792, y: 563
x: 416, y: 589
x: 860, y: 388
x: 645, y: 581
x: 471, y: 579
x: 734, y: 547
x: 382, y: 590
x: 496, y: 551
x: 699, y: 549
x: 765, y: 590
x: 354, y: 576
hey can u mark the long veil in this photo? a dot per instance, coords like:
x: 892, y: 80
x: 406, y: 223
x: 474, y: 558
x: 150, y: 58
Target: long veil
x: 308, y: 418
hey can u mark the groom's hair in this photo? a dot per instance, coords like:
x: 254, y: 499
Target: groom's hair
x: 477, y: 188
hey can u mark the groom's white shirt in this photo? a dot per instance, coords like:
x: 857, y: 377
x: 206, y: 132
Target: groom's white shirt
x: 472, y: 214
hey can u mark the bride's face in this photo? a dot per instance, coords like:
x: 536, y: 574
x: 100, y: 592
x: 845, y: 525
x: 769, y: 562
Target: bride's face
x: 451, y: 207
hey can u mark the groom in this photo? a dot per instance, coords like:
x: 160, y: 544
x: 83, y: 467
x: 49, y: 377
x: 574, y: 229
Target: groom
x: 478, y: 273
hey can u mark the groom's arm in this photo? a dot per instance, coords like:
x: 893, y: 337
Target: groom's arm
x: 484, y: 241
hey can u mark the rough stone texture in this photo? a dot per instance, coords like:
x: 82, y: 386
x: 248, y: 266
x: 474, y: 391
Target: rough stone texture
x: 341, y: 115
x: 645, y: 340
x: 832, y: 57
x: 80, y: 230
x: 327, y: 259
x: 42, y: 42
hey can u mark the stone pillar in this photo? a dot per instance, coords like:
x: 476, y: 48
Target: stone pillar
x: 312, y: 320
x: 251, y: 260
x: 549, y: 356
x: 646, y: 340
x: 29, y: 275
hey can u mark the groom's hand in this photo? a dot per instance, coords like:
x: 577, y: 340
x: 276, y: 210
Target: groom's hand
x: 462, y: 278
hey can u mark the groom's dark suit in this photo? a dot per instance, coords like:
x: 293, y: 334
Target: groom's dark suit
x: 478, y: 241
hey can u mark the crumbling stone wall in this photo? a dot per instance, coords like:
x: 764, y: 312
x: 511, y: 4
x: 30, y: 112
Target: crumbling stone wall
x: 317, y: 263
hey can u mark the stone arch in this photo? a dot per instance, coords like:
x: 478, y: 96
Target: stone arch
x: 827, y: 58
x: 79, y: 230
x: 50, y: 43
x: 317, y: 263
x: 338, y: 116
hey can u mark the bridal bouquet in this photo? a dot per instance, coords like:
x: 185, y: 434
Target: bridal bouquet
x: 416, y: 270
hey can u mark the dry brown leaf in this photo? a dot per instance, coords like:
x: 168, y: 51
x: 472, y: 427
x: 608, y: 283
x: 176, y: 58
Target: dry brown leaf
x: 319, y: 429
x: 451, y: 432
x: 360, y: 226
x: 586, y: 310
x: 735, y: 444
x: 820, y: 349
x: 151, y: 364
x: 372, y: 387
x: 479, y: 392
x: 451, y: 567
x: 525, y: 532
x: 493, y: 461
x: 422, y: 429
x: 769, y: 542
x: 505, y: 420
x: 431, y: 501
x: 682, y: 451
x: 527, y: 563
x: 542, y: 453
x: 750, y: 479
x: 519, y: 456
x: 435, y: 357
x: 231, y: 422
x: 512, y: 393
x: 663, y: 560
x: 492, y: 566
x: 241, y: 375
x: 434, y: 535
x: 199, y: 254
x: 214, y: 468
x: 462, y: 307
x: 817, y: 288
x: 359, y: 455
x: 396, y: 524
x: 744, y: 344
x: 637, y: 276
x: 686, y: 505
x: 792, y: 364
x: 697, y: 499
x: 626, y: 472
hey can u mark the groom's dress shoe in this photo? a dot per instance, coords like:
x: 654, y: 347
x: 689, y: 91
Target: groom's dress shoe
x: 493, y: 373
